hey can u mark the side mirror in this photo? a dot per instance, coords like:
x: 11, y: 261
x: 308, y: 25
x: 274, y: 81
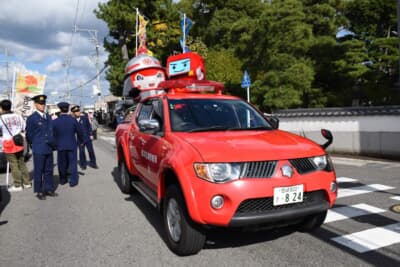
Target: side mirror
x: 274, y: 121
x: 328, y: 136
x: 151, y: 126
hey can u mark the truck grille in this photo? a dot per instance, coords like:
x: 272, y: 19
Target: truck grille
x: 262, y: 205
x: 259, y: 169
x: 302, y: 165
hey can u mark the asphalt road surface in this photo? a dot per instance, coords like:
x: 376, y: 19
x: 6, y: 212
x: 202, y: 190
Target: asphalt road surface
x: 94, y: 224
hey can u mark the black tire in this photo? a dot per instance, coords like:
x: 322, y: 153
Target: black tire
x: 313, y: 222
x: 183, y: 236
x: 125, y: 179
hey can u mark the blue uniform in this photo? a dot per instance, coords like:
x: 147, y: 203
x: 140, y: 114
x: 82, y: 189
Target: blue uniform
x: 66, y: 130
x: 39, y: 133
x: 87, y: 142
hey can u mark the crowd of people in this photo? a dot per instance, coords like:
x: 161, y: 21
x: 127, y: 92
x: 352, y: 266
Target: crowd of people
x: 67, y: 133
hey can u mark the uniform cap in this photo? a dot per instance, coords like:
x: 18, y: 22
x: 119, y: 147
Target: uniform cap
x: 40, y: 99
x: 64, y: 106
x: 75, y: 108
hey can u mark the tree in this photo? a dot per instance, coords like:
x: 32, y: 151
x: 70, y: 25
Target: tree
x: 120, y: 16
x: 222, y: 65
x: 289, y: 47
x: 374, y: 22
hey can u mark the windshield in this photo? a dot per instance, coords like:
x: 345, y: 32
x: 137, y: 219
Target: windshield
x: 196, y: 115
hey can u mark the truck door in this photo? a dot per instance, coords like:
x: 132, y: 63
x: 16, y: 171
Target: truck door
x: 150, y: 144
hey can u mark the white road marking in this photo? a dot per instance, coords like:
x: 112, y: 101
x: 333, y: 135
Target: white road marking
x: 396, y: 198
x: 345, y: 180
x: 358, y: 190
x: 108, y: 139
x: 342, y: 213
x: 371, y: 239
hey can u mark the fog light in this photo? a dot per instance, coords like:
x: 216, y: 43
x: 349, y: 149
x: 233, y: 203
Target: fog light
x: 333, y: 187
x: 217, y: 202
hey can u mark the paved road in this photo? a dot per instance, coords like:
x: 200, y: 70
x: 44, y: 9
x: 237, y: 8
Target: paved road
x: 95, y: 224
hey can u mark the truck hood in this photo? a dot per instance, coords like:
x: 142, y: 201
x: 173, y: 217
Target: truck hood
x: 236, y: 146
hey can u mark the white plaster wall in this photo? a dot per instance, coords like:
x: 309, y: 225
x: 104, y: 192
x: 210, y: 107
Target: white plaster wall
x: 377, y: 135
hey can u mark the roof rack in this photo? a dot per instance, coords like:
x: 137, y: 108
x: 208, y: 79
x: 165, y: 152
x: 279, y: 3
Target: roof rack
x: 192, y: 86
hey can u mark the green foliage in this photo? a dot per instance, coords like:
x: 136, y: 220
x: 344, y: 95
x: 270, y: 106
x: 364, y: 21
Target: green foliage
x: 289, y: 47
x: 222, y: 65
x: 162, y: 33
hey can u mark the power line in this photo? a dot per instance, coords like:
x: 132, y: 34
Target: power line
x: 92, y: 79
x: 68, y: 57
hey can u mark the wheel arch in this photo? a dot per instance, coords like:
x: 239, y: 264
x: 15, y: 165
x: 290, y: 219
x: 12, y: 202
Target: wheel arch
x: 170, y: 177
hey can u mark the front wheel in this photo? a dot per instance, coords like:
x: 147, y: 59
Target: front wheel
x: 125, y: 178
x: 183, y: 237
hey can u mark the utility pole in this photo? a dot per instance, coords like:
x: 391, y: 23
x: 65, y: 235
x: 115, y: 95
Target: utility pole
x: 67, y: 63
x: 93, y: 37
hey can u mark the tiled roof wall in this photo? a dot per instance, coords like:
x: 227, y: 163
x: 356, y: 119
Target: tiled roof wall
x: 343, y: 111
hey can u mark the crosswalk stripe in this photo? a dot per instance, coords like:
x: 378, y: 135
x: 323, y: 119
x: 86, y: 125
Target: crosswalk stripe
x: 371, y: 239
x: 396, y: 198
x: 358, y: 190
x: 342, y: 213
x: 345, y: 180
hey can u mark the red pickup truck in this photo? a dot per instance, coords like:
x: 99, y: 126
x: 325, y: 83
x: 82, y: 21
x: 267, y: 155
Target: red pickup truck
x: 206, y: 159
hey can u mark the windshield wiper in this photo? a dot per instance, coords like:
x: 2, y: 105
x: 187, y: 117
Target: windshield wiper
x: 211, y: 128
x: 259, y: 128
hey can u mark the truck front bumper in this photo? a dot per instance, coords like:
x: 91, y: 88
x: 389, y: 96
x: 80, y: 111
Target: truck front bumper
x: 261, y: 211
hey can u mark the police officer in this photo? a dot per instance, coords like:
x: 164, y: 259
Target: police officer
x: 66, y: 131
x: 86, y: 141
x: 39, y: 133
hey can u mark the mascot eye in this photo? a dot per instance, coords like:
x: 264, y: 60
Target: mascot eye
x: 159, y: 75
x: 139, y: 77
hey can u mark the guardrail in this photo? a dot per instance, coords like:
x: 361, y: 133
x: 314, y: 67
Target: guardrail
x: 370, y: 131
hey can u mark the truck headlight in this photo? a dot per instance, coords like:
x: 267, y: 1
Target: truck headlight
x: 218, y: 172
x: 320, y: 162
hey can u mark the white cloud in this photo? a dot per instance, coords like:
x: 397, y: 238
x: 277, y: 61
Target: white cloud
x: 38, y: 35
x: 55, y: 66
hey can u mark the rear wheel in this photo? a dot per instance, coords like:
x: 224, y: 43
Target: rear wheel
x: 313, y: 222
x: 183, y: 236
x: 125, y: 179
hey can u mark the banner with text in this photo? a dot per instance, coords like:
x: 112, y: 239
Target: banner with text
x: 27, y: 85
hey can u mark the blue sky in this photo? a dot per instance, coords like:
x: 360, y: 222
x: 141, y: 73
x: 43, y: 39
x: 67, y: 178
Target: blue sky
x: 38, y: 35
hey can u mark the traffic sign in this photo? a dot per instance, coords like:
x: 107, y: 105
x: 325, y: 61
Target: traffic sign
x: 246, y: 80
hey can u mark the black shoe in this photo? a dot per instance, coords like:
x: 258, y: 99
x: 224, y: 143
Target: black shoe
x: 94, y: 166
x: 51, y: 194
x: 83, y: 167
x: 73, y: 185
x: 41, y: 196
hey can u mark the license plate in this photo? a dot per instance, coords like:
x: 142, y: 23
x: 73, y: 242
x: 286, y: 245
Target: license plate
x: 288, y: 195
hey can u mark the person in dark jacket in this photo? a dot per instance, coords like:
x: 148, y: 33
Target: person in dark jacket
x: 86, y: 141
x: 66, y: 132
x: 39, y: 133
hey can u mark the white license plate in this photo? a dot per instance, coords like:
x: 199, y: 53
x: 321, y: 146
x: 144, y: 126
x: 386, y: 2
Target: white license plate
x: 288, y: 195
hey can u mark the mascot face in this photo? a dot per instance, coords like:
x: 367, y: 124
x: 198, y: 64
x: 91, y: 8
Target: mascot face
x: 142, y: 73
x: 179, y: 67
x: 188, y: 65
x: 147, y: 78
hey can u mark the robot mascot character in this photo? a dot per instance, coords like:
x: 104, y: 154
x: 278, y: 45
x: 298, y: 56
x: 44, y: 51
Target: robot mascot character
x: 143, y: 73
x: 187, y: 66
